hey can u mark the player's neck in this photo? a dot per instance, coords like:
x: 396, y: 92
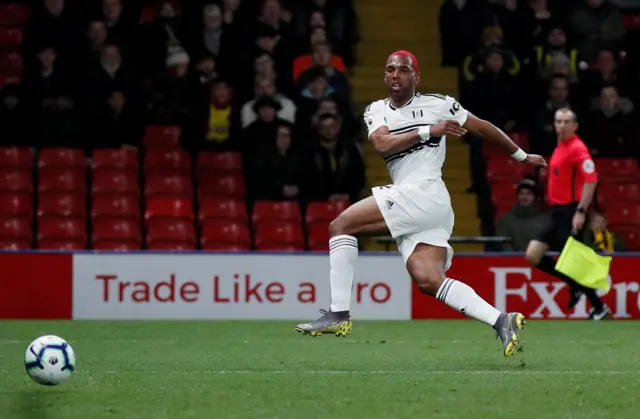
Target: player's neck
x: 399, y: 102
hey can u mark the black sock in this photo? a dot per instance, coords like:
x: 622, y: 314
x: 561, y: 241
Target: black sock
x: 341, y: 315
x: 548, y: 265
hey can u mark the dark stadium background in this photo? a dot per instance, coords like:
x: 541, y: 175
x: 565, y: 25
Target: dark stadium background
x: 236, y: 125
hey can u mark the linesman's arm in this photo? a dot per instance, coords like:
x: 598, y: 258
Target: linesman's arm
x: 587, y: 169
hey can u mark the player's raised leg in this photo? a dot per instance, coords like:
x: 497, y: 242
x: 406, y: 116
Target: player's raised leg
x: 426, y: 265
x: 361, y: 219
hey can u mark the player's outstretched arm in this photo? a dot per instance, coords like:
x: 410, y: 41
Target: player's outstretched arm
x: 486, y: 129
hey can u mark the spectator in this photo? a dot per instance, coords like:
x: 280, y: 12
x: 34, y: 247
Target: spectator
x: 535, y: 19
x: 15, y: 124
x: 600, y: 238
x: 336, y: 169
x: 230, y: 11
x: 260, y: 132
x: 96, y: 40
x: 51, y: 25
x: 168, y: 99
x: 117, y: 125
x: 604, y: 73
x: 213, y: 37
x: 62, y: 124
x: 122, y: 29
x: 111, y: 73
x: 267, y: 86
x: 609, y: 130
x: 44, y: 83
x: 632, y: 51
x: 278, y: 171
x: 524, y: 220
x: 305, y: 61
x: 316, y: 89
x: 206, y: 69
x: 479, y: 15
x: 322, y: 59
x: 161, y: 38
x: 491, y: 40
x: 217, y: 116
x: 596, y: 23
x: 452, y: 39
x: 556, y: 45
x: 543, y: 136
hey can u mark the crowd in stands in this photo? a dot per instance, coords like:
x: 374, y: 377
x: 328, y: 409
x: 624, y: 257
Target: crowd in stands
x: 262, y: 82
x: 520, y: 61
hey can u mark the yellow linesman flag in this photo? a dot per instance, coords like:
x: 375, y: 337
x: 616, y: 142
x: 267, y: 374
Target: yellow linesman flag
x: 581, y: 263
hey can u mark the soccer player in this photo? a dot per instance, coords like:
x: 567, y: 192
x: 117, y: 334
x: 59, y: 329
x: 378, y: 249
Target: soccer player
x: 572, y: 183
x: 409, y: 130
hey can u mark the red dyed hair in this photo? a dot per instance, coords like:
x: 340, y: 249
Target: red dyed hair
x: 409, y: 55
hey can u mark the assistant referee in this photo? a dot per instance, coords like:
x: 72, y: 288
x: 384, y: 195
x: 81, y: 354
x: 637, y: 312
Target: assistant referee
x: 571, y: 186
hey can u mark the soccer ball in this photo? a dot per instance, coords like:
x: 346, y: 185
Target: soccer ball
x: 49, y: 360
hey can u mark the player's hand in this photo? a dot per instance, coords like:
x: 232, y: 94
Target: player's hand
x: 577, y: 222
x: 447, y: 128
x: 535, y: 161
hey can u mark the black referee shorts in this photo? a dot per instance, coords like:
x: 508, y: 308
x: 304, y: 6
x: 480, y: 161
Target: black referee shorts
x: 558, y: 230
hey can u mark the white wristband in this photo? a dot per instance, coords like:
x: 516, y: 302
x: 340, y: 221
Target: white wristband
x: 424, y: 133
x: 520, y: 155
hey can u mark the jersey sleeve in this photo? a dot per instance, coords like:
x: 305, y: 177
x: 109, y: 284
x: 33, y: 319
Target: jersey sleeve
x: 584, y: 163
x: 453, y: 111
x: 374, y: 117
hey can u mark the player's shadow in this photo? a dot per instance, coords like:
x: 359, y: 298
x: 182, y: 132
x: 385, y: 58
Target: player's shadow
x: 37, y: 404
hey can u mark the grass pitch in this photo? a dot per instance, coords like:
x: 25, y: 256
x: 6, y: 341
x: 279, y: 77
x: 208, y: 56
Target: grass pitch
x: 421, y: 369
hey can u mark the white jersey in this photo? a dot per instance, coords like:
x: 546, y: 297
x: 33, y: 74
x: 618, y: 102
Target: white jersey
x: 424, y: 160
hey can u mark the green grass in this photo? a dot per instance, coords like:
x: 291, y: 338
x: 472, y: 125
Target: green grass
x: 429, y: 369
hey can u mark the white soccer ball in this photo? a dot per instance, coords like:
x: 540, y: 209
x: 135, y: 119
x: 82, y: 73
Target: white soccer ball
x: 49, y: 360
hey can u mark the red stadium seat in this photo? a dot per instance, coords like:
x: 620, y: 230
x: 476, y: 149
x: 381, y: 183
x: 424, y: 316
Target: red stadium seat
x: 67, y: 228
x: 15, y: 228
x: 169, y: 207
x: 276, y: 210
x: 10, y: 39
x: 231, y: 209
x: 121, y: 158
x: 617, y: 169
x: 15, y: 179
x: 14, y: 244
x: 11, y: 64
x: 21, y: 157
x: 171, y: 245
x: 618, y: 192
x: 115, y: 245
x: 16, y: 203
x: 116, y: 229
x: 318, y: 239
x: 223, y: 186
x: 168, y: 184
x: 177, y: 161
x: 323, y: 212
x: 218, y: 232
x: 161, y: 137
x: 70, y: 179
x: 520, y: 138
x: 219, y: 162
x: 4, y: 80
x: 503, y: 191
x: 14, y: 14
x: 278, y: 232
x: 115, y: 204
x: 503, y: 167
x: 115, y: 180
x: 630, y: 235
x: 61, y: 244
x: 226, y: 247
x: 61, y: 157
x: 622, y: 213
x: 170, y: 229
x: 67, y: 204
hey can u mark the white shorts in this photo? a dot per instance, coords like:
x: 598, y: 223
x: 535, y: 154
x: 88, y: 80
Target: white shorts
x: 417, y: 214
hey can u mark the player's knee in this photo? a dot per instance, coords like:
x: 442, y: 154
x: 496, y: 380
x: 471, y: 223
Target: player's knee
x: 426, y: 275
x: 339, y: 226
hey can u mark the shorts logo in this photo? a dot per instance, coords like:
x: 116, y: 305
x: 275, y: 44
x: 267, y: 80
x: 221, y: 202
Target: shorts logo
x: 588, y: 166
x: 389, y: 203
x: 369, y: 121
